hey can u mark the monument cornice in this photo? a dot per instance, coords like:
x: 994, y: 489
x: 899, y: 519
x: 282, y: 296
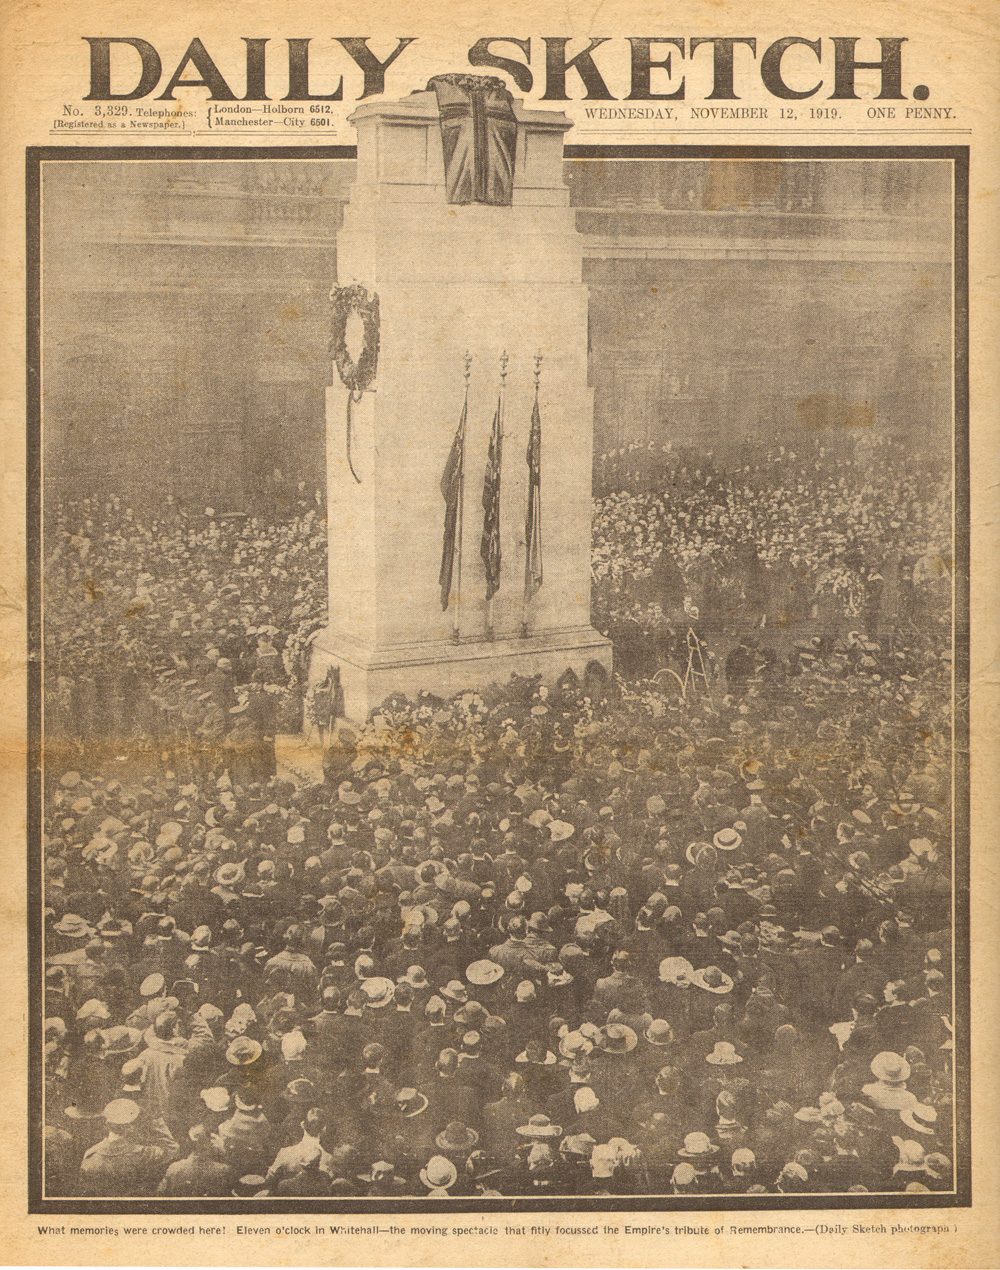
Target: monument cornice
x: 421, y: 108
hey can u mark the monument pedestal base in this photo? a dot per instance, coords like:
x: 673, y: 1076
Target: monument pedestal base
x: 368, y: 676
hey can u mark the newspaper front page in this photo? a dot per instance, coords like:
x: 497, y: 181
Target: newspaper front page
x: 500, y: 656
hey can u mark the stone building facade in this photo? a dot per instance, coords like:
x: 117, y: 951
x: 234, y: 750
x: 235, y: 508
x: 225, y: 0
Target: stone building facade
x: 185, y: 313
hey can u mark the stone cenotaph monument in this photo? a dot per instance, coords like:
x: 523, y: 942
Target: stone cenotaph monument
x: 459, y: 255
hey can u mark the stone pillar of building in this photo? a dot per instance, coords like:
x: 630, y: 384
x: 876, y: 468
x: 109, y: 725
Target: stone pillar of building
x: 450, y: 279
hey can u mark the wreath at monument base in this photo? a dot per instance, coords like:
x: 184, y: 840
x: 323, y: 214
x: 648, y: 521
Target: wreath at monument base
x: 356, y: 376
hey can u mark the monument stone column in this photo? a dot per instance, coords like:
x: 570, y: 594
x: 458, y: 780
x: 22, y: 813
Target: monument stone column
x: 451, y: 279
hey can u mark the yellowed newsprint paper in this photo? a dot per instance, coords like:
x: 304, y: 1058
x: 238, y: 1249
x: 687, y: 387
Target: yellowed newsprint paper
x: 500, y: 644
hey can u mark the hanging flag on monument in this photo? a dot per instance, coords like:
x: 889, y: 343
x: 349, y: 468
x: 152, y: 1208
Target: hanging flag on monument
x: 478, y: 138
x: 533, y: 517
x: 451, y: 490
x: 489, y: 548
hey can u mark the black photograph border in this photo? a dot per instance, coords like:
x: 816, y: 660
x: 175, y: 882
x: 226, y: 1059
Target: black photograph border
x: 961, y: 1197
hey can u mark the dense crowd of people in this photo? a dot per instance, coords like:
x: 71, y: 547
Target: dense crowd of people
x: 788, y: 542
x: 134, y: 606
x: 591, y: 939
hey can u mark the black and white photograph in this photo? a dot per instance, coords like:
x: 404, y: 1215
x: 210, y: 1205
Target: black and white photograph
x: 500, y: 624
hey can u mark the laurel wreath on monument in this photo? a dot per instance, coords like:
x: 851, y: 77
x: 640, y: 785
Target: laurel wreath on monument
x: 356, y: 376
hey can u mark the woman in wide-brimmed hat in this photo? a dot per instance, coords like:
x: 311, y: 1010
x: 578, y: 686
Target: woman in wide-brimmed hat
x: 700, y: 853
x: 439, y: 1175
x: 618, y: 1038
x: 890, y: 1069
x: 243, y: 1051
x: 727, y: 839
x: 378, y: 992
x: 713, y: 980
x: 539, y: 1127
x: 456, y: 1139
x: 483, y: 973
x: 72, y: 928
x: 697, y: 1146
x: 659, y: 1033
x: 888, y: 1093
x: 455, y: 993
x: 677, y: 971
x: 411, y: 1103
x: 229, y: 876
x: 724, y: 1054
x: 301, y: 1093
x: 574, y: 1045
x: 120, y: 1042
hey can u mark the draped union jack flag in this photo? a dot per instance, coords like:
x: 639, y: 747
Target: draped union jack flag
x: 478, y: 137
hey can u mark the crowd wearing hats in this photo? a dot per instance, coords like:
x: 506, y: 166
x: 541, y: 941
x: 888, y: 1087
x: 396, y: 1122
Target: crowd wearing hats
x: 189, y: 629
x: 584, y: 940
x: 848, y: 537
x: 192, y: 628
